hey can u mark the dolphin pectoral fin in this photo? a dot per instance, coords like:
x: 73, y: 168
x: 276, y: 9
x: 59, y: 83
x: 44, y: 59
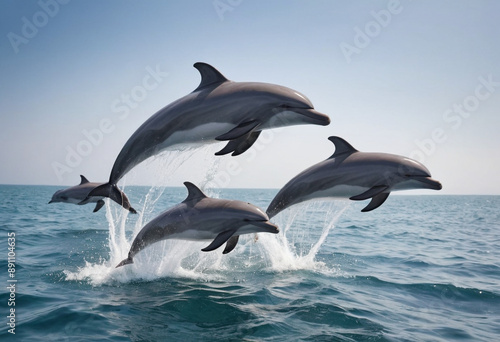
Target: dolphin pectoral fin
x: 373, y: 191
x: 230, y: 147
x: 247, y: 143
x: 219, y: 240
x: 231, y: 243
x: 238, y: 131
x: 85, y: 201
x: 239, y: 145
x: 98, y: 206
x: 376, y: 202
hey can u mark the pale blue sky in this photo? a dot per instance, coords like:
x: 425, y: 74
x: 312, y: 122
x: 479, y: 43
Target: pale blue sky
x: 415, y: 78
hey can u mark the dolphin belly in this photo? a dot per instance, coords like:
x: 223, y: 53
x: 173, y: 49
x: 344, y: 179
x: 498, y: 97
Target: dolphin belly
x: 193, y: 234
x: 203, y: 133
x: 342, y: 191
x: 290, y: 197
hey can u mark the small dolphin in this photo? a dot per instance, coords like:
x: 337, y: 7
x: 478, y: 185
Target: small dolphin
x: 218, y: 110
x: 200, y: 217
x: 78, y: 194
x: 356, y: 175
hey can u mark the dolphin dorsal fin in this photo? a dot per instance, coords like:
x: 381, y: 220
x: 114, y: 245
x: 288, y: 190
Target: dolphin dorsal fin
x: 194, y: 193
x: 84, y: 180
x: 342, y: 147
x: 209, y: 75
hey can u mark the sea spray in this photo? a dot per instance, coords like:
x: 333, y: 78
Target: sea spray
x: 151, y: 263
x: 295, y: 247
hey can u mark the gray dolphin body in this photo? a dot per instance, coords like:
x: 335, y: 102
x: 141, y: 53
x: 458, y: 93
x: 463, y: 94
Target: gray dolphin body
x: 200, y: 217
x: 356, y: 175
x: 78, y: 194
x: 218, y: 110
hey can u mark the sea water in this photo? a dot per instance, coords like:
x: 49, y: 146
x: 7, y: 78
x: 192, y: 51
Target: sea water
x: 419, y: 268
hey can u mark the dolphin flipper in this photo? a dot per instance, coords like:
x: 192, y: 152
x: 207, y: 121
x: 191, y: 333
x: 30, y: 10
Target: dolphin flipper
x: 99, y: 205
x: 231, y: 243
x: 85, y: 201
x: 373, y: 191
x: 240, y: 130
x: 219, y: 240
x: 376, y: 202
x: 239, y: 145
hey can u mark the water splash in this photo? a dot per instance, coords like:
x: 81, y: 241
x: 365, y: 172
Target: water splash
x: 294, y: 248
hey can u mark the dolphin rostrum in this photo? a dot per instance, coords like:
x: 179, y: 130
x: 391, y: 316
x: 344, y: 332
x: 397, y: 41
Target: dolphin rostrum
x: 200, y: 217
x: 217, y: 110
x: 356, y: 175
x: 78, y: 194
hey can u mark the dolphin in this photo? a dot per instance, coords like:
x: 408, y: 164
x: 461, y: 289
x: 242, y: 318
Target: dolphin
x: 356, y: 175
x: 217, y: 110
x: 200, y: 217
x: 78, y: 194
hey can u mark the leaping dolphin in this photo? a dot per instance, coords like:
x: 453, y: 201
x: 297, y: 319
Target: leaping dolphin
x: 200, y: 217
x: 356, y: 175
x: 78, y: 194
x: 218, y: 110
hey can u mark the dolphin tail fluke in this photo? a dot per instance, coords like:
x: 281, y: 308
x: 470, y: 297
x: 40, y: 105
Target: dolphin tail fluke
x: 124, y: 262
x: 111, y: 191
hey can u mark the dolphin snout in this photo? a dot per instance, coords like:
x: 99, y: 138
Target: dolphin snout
x: 430, y: 183
x: 266, y: 226
x: 318, y: 118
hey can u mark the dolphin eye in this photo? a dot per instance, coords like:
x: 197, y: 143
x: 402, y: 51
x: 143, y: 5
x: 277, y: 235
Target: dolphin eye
x: 64, y: 197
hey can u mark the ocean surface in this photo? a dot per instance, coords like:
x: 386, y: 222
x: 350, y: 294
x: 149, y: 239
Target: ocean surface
x: 419, y: 268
